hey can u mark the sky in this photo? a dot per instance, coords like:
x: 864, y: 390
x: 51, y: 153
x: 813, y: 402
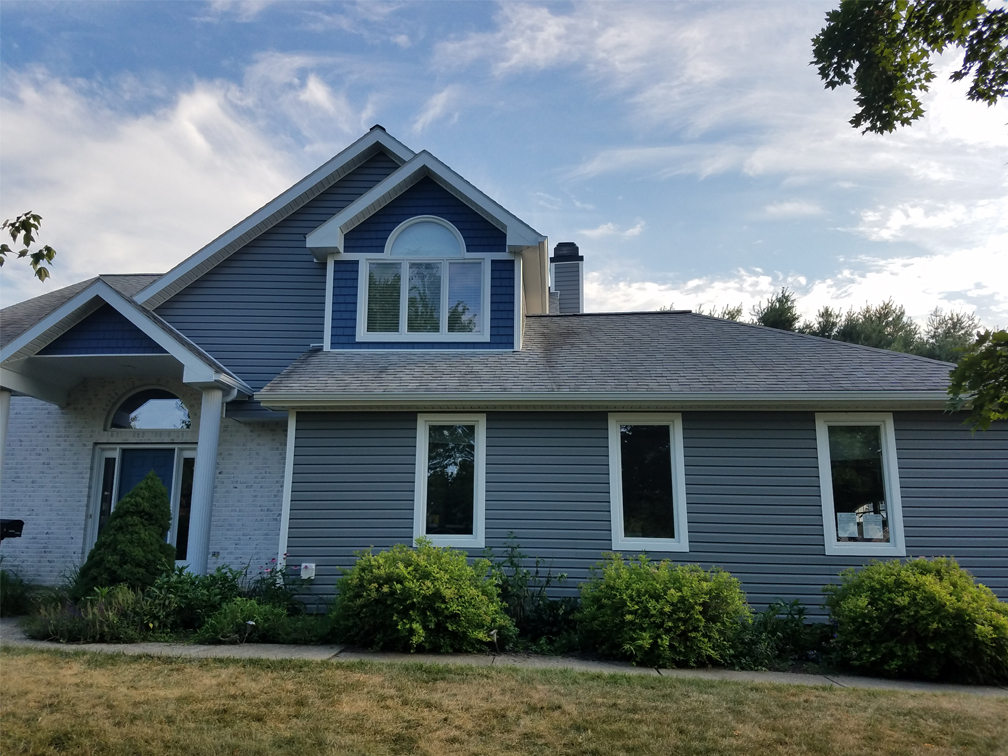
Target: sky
x: 689, y: 149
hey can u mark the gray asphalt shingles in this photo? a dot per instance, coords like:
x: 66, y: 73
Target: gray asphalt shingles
x: 649, y: 352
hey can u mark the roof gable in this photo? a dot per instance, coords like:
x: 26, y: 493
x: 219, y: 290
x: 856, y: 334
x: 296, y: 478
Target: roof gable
x: 375, y: 141
x: 329, y: 238
x: 104, y: 331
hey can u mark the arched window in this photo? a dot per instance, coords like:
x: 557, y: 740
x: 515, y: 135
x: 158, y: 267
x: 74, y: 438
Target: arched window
x: 151, y: 409
x: 434, y: 294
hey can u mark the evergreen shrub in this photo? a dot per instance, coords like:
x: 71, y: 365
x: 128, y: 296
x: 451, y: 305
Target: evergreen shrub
x: 926, y: 618
x: 661, y: 614
x: 131, y: 550
x: 422, y: 599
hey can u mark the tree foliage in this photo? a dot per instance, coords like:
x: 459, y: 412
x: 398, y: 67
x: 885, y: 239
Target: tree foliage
x: 981, y: 379
x: 131, y: 550
x: 780, y: 311
x: 883, y: 49
x: 23, y: 231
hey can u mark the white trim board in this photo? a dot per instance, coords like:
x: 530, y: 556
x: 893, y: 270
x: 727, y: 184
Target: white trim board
x: 896, y: 547
x: 273, y: 212
x: 288, y: 485
x: 478, y: 537
x: 620, y: 542
x: 329, y: 237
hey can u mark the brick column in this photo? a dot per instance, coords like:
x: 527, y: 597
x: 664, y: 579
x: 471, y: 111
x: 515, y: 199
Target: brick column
x: 5, y: 397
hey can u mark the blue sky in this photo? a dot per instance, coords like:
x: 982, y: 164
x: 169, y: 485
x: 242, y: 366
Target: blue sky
x: 689, y: 149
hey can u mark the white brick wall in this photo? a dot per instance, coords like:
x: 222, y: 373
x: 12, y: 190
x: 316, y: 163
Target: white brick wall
x: 46, y: 477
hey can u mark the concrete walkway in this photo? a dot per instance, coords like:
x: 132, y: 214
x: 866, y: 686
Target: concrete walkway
x: 11, y: 635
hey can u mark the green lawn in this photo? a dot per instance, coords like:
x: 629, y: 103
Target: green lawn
x: 78, y: 703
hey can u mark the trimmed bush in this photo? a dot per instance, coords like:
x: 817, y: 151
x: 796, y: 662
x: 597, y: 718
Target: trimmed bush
x: 926, y: 618
x: 182, y: 600
x: 661, y: 614
x: 131, y: 550
x: 422, y: 599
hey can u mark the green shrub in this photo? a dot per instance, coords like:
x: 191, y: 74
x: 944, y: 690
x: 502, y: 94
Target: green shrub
x: 542, y: 623
x: 926, y: 618
x: 660, y: 614
x: 109, y: 615
x: 279, y: 585
x: 131, y: 550
x: 16, y: 594
x: 241, y: 620
x: 182, y: 600
x: 777, y: 638
x: 422, y: 599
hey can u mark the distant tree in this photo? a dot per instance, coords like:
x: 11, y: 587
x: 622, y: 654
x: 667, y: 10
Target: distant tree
x: 780, y: 311
x: 981, y: 379
x: 826, y: 324
x: 727, y: 312
x: 884, y: 326
x: 25, y: 227
x: 883, y: 48
x: 948, y: 335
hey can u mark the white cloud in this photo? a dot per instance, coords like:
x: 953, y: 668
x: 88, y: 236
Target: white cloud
x: 794, y: 209
x: 438, y: 107
x: 606, y: 229
x: 635, y: 230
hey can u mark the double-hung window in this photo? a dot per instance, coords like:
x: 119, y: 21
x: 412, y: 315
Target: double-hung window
x: 647, y: 482
x: 424, y: 288
x: 450, y: 480
x: 859, y: 484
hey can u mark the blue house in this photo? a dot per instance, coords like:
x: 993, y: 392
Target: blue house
x: 384, y: 352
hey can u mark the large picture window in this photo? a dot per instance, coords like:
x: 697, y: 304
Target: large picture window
x: 859, y: 484
x: 450, y: 479
x: 647, y: 482
x: 430, y: 293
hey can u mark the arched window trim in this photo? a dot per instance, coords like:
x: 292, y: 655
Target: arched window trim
x: 426, y: 219
x: 138, y: 390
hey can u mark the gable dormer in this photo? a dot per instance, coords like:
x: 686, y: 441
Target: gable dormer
x: 426, y: 260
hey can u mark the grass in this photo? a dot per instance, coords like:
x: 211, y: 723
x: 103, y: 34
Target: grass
x: 80, y: 703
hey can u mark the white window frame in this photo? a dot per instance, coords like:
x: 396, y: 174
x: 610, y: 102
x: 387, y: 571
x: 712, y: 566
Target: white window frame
x: 619, y: 541
x: 114, y: 451
x: 403, y: 335
x: 478, y: 538
x: 890, y: 476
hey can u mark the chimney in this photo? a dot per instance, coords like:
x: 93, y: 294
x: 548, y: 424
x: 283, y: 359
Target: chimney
x: 567, y: 273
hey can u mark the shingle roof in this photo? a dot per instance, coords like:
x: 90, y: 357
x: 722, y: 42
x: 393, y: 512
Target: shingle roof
x: 652, y: 353
x: 18, y: 318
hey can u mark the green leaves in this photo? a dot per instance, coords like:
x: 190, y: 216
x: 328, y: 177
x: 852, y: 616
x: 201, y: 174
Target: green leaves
x: 25, y: 227
x: 981, y: 380
x: 883, y: 48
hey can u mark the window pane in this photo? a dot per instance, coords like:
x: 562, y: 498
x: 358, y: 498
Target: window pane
x: 858, y: 486
x: 451, y: 479
x: 185, y: 509
x: 465, y: 287
x: 152, y: 409
x: 423, y: 309
x: 107, y: 487
x: 426, y: 239
x: 384, y: 291
x: 646, y: 462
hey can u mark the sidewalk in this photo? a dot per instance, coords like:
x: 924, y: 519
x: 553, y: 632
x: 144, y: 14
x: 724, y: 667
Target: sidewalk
x: 11, y: 635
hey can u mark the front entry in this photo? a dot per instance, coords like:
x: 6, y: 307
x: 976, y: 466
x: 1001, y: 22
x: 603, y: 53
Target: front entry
x: 118, y: 469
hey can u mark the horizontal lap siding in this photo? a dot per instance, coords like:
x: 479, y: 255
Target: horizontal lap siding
x: 105, y: 331
x: 262, y: 307
x: 954, y: 488
x: 752, y: 488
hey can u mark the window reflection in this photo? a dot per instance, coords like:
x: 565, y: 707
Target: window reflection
x: 646, y: 475
x: 152, y: 409
x: 451, y: 471
x: 859, y: 496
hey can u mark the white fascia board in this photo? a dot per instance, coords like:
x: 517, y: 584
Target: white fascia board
x: 369, y: 142
x: 808, y: 400
x: 14, y: 381
x: 195, y: 369
x: 328, y: 238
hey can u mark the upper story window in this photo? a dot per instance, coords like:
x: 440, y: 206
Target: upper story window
x: 424, y: 288
x: 151, y: 409
x: 859, y: 484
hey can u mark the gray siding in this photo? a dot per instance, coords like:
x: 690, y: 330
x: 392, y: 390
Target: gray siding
x: 567, y: 282
x: 261, y: 308
x: 752, y: 487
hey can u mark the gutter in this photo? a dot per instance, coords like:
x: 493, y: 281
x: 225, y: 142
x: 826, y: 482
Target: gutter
x: 585, y: 400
